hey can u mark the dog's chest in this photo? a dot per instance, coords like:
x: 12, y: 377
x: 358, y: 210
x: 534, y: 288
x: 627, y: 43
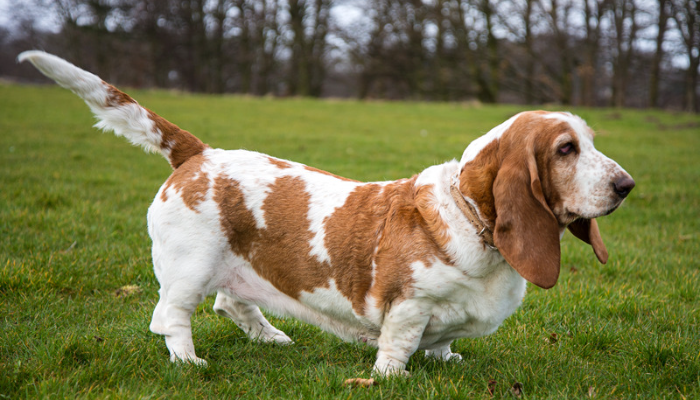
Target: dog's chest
x: 473, y: 307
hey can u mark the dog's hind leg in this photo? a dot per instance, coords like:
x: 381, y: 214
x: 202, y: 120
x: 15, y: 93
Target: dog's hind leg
x: 182, y: 288
x: 172, y: 319
x: 249, y: 318
x: 444, y: 353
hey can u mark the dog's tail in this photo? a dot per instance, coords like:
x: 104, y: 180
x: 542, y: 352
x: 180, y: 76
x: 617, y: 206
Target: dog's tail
x: 117, y: 111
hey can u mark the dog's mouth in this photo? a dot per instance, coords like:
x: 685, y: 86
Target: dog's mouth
x: 570, y: 216
x: 610, y: 211
x: 614, y: 207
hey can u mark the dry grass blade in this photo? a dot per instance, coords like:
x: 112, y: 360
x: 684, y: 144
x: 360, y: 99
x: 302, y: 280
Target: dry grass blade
x: 360, y: 382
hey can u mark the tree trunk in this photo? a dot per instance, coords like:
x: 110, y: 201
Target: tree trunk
x: 268, y: 34
x: 592, y: 48
x: 658, y: 54
x: 317, y: 68
x: 488, y: 76
x: 298, y: 81
x: 623, y: 12
x: 530, y: 50
x: 687, y: 16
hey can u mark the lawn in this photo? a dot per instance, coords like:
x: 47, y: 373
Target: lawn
x: 77, y: 288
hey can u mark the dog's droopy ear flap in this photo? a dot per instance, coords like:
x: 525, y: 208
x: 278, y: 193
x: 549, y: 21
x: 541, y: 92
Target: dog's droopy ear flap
x: 526, y: 232
x: 587, y: 230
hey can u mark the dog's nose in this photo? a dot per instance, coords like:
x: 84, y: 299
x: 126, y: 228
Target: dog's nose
x: 623, y: 186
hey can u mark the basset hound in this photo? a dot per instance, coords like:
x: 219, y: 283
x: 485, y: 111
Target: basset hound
x: 402, y: 265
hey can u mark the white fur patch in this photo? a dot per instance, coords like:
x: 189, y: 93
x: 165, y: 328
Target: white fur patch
x: 329, y: 301
x: 480, y: 143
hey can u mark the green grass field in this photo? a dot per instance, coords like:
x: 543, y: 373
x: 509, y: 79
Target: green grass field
x: 73, y: 235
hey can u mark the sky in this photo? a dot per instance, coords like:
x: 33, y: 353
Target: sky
x: 9, y: 9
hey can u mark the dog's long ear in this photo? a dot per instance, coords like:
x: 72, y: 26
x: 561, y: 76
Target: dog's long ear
x: 587, y: 230
x: 526, y: 232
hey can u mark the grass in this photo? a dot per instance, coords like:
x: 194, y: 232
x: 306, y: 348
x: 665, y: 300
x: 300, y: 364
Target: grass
x: 73, y: 207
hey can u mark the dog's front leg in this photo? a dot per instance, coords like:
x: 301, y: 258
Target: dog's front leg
x: 400, y: 336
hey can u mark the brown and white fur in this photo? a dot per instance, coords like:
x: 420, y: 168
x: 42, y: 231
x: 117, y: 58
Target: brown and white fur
x: 396, y: 265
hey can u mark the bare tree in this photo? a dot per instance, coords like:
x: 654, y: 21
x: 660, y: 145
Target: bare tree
x: 488, y: 74
x: 625, y: 28
x: 527, y: 16
x: 521, y: 19
x: 662, y: 25
x: 309, y: 23
x: 687, y: 16
x: 594, y: 10
x: 246, y: 22
x: 559, y: 14
x: 217, y: 54
x: 268, y: 33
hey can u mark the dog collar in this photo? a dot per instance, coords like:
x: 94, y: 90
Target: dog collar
x: 470, y: 212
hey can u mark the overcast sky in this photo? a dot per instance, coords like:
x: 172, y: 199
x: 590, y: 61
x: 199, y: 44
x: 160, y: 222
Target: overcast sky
x: 10, y: 10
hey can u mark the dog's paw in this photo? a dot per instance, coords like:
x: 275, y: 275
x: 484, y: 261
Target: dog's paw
x: 189, y: 359
x: 283, y: 340
x: 454, y: 357
x: 390, y: 371
x: 276, y: 336
x: 443, y: 354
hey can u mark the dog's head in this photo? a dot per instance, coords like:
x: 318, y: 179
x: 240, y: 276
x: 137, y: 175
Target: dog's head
x: 535, y: 175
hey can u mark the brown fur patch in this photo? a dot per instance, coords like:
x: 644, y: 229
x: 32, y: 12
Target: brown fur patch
x: 405, y: 239
x: 281, y: 164
x: 476, y: 181
x: 351, y: 237
x: 236, y: 220
x: 380, y: 224
x: 117, y: 97
x: 190, y: 181
x: 280, y: 253
x: 426, y: 205
x: 182, y: 144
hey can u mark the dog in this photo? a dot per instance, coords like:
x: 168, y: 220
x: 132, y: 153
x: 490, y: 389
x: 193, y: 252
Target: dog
x: 401, y: 265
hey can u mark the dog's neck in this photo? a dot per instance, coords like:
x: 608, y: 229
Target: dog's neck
x: 471, y: 212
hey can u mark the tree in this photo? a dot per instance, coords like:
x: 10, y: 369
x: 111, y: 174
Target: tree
x: 520, y: 19
x: 309, y: 24
x: 488, y: 75
x: 559, y: 13
x: 625, y: 28
x: 217, y: 58
x: 594, y: 10
x: 662, y: 25
x: 687, y: 16
x: 268, y: 33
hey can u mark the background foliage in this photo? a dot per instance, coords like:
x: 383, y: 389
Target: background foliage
x: 639, y: 53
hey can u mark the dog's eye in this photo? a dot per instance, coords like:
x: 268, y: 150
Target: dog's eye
x: 566, y: 149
